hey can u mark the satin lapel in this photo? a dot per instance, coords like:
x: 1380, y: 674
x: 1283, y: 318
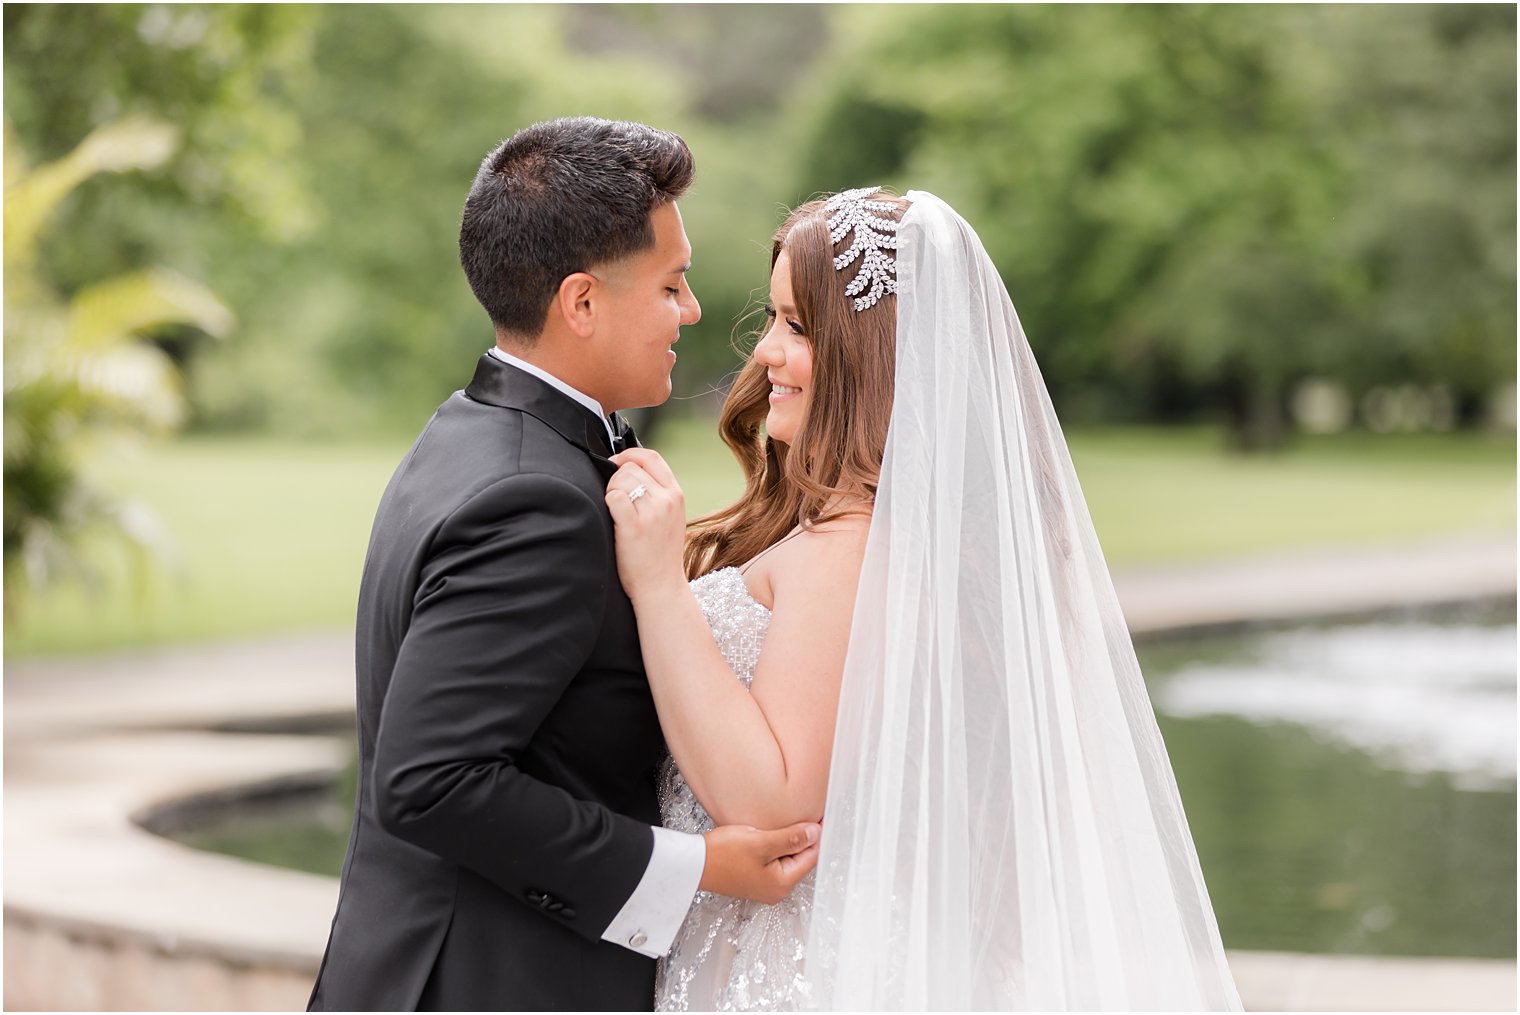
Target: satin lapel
x: 606, y: 468
x: 501, y: 384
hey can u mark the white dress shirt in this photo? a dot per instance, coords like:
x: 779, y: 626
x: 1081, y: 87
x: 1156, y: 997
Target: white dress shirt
x: 648, y: 921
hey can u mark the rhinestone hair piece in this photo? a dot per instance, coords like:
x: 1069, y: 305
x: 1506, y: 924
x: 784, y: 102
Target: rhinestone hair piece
x: 874, y: 235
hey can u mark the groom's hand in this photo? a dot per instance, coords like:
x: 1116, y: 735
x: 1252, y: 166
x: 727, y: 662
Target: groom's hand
x: 748, y: 863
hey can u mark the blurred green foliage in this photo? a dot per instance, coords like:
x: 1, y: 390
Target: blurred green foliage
x: 78, y: 375
x: 1195, y: 207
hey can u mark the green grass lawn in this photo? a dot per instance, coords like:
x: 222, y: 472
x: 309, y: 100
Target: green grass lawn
x: 1161, y: 495
x: 270, y: 534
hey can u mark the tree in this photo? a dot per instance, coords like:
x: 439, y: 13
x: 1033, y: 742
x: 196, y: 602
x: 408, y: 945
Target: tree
x: 78, y: 371
x: 1194, y: 207
x: 1421, y: 110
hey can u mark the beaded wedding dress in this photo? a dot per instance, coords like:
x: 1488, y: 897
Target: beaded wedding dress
x: 731, y: 954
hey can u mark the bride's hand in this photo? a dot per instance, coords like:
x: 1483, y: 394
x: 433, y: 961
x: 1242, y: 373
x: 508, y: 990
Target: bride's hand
x: 651, y: 527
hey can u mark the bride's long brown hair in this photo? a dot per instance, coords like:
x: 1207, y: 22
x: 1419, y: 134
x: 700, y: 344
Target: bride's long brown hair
x: 834, y: 460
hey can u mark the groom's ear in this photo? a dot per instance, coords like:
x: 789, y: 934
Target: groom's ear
x: 575, y: 303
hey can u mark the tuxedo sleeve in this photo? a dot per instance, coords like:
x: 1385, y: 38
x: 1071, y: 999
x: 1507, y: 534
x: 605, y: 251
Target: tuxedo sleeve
x: 509, y: 605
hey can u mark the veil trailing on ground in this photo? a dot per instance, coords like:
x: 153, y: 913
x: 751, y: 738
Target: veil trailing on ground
x: 1002, y: 829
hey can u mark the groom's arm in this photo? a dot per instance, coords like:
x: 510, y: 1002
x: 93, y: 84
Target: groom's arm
x: 509, y: 606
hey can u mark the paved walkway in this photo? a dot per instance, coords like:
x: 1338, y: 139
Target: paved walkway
x: 91, y: 745
x: 1311, y: 583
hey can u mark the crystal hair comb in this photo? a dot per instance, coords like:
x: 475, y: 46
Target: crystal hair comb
x: 875, y: 234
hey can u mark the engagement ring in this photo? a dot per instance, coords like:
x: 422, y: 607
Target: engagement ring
x: 637, y: 492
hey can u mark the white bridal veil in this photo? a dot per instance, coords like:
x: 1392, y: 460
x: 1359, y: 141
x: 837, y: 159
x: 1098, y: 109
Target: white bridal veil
x: 1002, y: 830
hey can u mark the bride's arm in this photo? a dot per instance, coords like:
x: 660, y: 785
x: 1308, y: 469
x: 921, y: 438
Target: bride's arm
x: 757, y: 756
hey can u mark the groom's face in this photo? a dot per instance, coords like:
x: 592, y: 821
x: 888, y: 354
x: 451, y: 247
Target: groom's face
x: 648, y: 300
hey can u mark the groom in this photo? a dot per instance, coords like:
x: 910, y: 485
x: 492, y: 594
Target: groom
x: 505, y: 852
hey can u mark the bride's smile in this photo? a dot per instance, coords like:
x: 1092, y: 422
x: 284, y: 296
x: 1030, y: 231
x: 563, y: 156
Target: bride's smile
x: 780, y: 392
x: 787, y: 353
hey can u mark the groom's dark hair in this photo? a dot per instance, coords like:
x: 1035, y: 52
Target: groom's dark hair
x: 561, y: 197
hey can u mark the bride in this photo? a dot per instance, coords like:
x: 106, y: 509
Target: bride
x: 905, y: 627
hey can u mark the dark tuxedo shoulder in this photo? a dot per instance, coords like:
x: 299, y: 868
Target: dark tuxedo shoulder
x: 529, y: 516
x: 468, y: 447
x: 491, y: 441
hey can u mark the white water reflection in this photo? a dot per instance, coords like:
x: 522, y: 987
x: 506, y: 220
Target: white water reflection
x: 1427, y: 697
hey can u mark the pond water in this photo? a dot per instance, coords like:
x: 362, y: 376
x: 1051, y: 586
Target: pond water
x: 1350, y: 786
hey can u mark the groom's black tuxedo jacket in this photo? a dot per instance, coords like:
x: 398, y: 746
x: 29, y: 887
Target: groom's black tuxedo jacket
x: 507, y: 737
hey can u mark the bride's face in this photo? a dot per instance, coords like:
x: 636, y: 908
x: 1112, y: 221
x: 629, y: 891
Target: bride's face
x: 787, y: 354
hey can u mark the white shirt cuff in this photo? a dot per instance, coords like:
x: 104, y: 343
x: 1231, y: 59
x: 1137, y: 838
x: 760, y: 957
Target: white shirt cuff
x: 648, y: 921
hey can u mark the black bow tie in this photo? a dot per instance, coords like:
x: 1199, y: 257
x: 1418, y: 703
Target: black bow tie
x: 623, y: 436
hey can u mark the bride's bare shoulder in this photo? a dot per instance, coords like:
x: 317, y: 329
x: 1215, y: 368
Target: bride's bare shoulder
x: 829, y: 549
